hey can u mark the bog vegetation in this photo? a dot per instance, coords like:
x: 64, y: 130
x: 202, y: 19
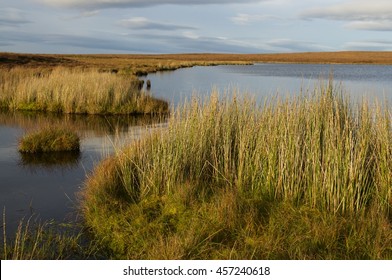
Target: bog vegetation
x: 304, y: 178
x: 50, y: 139
x: 64, y: 90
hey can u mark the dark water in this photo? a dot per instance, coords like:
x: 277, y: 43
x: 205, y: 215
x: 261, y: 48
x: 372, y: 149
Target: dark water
x: 45, y: 186
x: 261, y: 80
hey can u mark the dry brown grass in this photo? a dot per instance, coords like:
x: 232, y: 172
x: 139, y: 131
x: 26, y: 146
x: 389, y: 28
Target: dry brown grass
x: 141, y: 63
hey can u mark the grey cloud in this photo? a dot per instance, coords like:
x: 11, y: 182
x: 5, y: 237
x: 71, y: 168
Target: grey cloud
x: 376, y: 45
x: 132, y: 43
x: 141, y: 23
x: 12, y: 17
x: 288, y: 45
x: 101, y: 4
x: 66, y: 40
x: 197, y: 44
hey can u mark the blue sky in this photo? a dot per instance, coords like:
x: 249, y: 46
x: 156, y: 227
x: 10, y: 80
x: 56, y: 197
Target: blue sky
x: 174, y: 26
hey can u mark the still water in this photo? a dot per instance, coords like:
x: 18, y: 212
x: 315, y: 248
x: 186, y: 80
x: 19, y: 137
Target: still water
x: 46, y: 187
x: 262, y: 80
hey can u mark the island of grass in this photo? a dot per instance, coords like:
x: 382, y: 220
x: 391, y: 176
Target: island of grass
x: 49, y: 140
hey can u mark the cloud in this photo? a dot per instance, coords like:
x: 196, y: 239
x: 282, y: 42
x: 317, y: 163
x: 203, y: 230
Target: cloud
x: 352, y: 11
x: 129, y: 43
x: 12, y: 17
x: 373, y: 15
x: 376, y: 45
x: 191, y: 42
x: 141, y: 23
x: 289, y: 45
x: 245, y: 19
x: 383, y: 25
x: 101, y: 4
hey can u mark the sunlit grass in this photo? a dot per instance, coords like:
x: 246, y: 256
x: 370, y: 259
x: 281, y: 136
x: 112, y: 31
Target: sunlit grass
x: 64, y: 90
x: 302, y: 178
x: 50, y: 139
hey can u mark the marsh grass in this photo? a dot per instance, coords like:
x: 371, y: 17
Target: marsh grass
x: 307, y: 177
x: 50, y: 139
x: 36, y: 240
x: 77, y: 91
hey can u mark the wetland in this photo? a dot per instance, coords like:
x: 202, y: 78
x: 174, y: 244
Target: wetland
x: 206, y: 181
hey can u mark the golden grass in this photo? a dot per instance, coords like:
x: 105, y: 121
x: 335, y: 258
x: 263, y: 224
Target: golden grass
x: 50, y: 139
x: 145, y: 63
x: 65, y: 90
x: 305, y: 178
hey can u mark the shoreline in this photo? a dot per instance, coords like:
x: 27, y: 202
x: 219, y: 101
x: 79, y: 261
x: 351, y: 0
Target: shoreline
x: 150, y: 63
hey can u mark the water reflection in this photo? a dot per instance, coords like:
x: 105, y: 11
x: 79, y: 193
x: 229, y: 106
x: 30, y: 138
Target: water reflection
x: 45, y: 184
x: 49, y: 161
x: 265, y: 80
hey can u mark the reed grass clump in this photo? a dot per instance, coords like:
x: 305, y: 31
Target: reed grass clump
x: 36, y: 240
x: 302, y: 178
x: 79, y: 91
x: 50, y: 139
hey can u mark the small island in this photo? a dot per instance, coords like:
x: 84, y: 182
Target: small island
x: 50, y: 140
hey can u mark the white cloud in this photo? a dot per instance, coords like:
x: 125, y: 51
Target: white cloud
x: 245, y: 19
x: 373, y: 15
x: 352, y: 11
x: 142, y: 23
x: 100, y: 4
x: 372, y: 25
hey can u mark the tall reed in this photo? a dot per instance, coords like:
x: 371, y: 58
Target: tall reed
x: 236, y: 161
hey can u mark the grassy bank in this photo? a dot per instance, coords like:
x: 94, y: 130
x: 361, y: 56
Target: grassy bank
x: 65, y: 90
x: 305, y: 178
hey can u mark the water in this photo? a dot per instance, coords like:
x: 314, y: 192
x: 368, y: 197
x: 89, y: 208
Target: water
x: 261, y: 80
x: 46, y: 187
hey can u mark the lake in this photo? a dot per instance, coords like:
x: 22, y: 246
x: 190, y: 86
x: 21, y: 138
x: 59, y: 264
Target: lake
x: 47, y: 187
x: 263, y: 80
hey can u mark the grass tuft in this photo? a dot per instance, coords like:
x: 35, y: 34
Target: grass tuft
x: 50, y: 140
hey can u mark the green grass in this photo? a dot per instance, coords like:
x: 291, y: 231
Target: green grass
x: 303, y: 178
x: 76, y: 91
x: 50, y: 139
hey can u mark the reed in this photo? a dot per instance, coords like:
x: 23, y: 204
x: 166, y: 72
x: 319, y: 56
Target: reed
x: 36, y: 240
x: 78, y: 91
x: 305, y: 177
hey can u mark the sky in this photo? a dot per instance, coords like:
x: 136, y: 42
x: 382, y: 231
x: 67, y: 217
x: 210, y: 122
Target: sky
x: 194, y: 26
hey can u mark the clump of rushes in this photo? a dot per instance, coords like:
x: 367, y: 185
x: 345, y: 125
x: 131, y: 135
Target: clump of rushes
x: 303, y: 178
x: 77, y: 91
x: 50, y: 140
